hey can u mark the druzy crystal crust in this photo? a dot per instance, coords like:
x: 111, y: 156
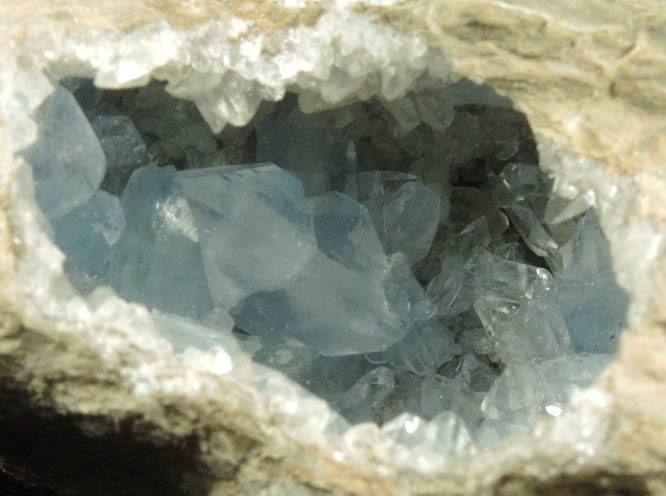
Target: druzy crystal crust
x: 396, y: 258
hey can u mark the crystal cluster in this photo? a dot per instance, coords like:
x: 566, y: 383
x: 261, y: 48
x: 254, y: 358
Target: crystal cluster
x: 404, y: 260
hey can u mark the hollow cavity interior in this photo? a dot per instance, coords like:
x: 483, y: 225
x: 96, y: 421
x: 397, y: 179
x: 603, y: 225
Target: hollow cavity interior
x: 395, y: 258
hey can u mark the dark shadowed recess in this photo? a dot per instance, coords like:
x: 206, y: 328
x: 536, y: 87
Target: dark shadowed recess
x: 46, y: 454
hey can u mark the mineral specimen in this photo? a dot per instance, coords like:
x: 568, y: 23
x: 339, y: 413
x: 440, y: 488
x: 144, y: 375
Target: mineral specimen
x: 217, y: 422
x: 434, y: 290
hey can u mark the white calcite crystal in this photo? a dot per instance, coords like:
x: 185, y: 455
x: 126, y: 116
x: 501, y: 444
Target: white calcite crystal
x: 379, y: 246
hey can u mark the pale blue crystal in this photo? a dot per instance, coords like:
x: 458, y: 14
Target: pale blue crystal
x: 567, y: 373
x: 327, y: 377
x: 338, y: 303
x: 531, y: 229
x: 357, y: 404
x: 522, y: 190
x: 186, y: 333
x: 524, y: 329
x: 454, y: 289
x: 427, y: 346
x: 405, y: 212
x: 330, y: 308
x: 436, y: 394
x: 322, y: 160
x: 123, y: 148
x: 255, y: 230
x: 473, y: 379
x: 181, y: 135
x: 86, y: 235
x: 446, y: 434
x: 67, y: 160
x: 516, y: 397
x: 411, y: 217
x: 593, y: 305
x: 157, y: 260
x: 318, y: 270
x: 594, y: 311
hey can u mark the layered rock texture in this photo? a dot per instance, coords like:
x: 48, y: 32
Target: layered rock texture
x: 96, y: 401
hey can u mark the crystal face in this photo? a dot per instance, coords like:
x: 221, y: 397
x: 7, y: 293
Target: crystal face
x: 404, y: 260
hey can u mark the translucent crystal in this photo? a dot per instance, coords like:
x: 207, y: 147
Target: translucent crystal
x: 531, y: 229
x: 445, y: 434
x: 331, y: 308
x: 568, y: 373
x: 366, y: 394
x: 560, y: 209
x: 405, y: 212
x: 593, y: 305
x: 453, y: 289
x: 345, y: 232
x: 517, y: 395
x: 449, y: 290
x: 67, y: 160
x: 180, y: 136
x: 472, y: 381
x: 247, y: 218
x: 432, y: 108
x: 86, y: 235
x: 338, y: 303
x: 328, y: 377
x: 123, y: 148
x: 314, y: 154
x: 389, y: 256
x: 186, y: 333
x: 436, y: 394
x: 157, y: 260
x: 520, y: 182
x: 404, y: 293
x: 411, y: 216
x: 524, y: 329
x: 422, y: 351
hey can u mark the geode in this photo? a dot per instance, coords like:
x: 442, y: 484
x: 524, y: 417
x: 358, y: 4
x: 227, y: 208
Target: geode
x: 95, y: 375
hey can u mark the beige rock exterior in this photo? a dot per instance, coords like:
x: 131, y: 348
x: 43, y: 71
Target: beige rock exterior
x: 590, y: 76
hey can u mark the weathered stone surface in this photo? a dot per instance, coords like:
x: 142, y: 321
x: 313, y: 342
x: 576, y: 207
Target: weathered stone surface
x: 590, y: 78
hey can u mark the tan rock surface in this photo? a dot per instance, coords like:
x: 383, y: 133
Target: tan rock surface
x: 590, y: 77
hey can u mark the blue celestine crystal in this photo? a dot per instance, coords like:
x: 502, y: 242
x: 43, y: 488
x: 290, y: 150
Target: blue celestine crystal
x: 307, y: 265
x: 427, y: 346
x: 67, y: 160
x: 593, y: 305
x: 452, y: 289
x: 527, y: 391
x: 322, y: 160
x: 446, y: 434
x: 520, y: 190
x: 185, y: 333
x: 123, y: 148
x: 358, y: 403
x: 342, y: 302
x: 405, y: 212
x: 328, y: 377
x: 246, y: 238
x: 516, y: 307
x: 255, y: 228
x: 157, y: 260
x: 86, y: 235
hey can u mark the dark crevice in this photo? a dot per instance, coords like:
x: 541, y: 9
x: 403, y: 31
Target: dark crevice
x: 48, y: 454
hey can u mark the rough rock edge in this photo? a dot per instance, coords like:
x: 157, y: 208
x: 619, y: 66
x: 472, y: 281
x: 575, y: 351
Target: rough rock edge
x: 62, y: 371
